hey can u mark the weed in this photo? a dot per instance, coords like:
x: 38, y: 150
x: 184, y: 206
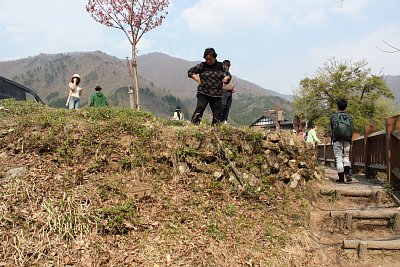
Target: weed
x: 173, y: 123
x: 44, y: 121
x: 196, y: 188
x: 257, y: 136
x: 126, y: 163
x: 333, y: 197
x: 267, y: 180
x: 216, y: 185
x: 269, y: 228
x: 259, y: 160
x: 98, y: 113
x: 230, y: 210
x: 118, y: 219
x: 213, y: 229
x: 187, y: 152
x: 107, y: 192
x: 67, y: 217
x: 181, y: 134
x: 389, y: 189
x: 299, y: 195
x: 198, y: 135
x: 251, y: 193
x: 65, y: 150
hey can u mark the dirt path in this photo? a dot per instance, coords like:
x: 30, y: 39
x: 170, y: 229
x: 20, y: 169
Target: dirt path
x: 328, y: 232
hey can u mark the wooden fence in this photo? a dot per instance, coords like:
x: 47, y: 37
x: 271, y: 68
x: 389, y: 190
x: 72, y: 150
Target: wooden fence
x: 375, y: 151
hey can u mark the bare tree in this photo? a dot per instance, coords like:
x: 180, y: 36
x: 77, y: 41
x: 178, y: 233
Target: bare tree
x: 134, y: 18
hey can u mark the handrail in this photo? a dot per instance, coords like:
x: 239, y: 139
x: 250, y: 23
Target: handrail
x: 358, y: 138
x: 396, y: 134
x: 377, y: 133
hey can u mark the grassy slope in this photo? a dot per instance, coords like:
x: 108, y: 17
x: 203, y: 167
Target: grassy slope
x: 115, y: 187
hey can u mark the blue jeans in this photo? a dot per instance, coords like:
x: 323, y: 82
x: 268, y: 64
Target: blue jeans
x: 341, y: 150
x: 74, y: 102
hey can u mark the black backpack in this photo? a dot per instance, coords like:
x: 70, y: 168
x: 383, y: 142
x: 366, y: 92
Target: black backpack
x: 343, y: 127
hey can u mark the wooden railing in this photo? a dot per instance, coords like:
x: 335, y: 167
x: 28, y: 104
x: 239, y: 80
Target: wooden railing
x: 375, y: 151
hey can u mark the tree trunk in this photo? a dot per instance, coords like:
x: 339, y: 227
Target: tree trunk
x: 135, y: 78
x: 130, y: 87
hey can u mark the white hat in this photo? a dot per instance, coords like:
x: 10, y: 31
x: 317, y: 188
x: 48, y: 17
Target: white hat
x: 75, y: 76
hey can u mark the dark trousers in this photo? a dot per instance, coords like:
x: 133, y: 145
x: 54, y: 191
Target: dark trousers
x: 226, y: 104
x: 202, y: 102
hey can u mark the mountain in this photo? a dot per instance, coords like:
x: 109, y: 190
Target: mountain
x: 394, y: 84
x: 163, y: 83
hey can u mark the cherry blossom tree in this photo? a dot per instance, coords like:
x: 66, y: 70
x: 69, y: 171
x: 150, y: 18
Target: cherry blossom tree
x: 134, y: 18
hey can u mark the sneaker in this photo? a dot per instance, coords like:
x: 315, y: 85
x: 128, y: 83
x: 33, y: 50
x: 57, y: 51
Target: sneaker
x: 341, y: 178
x: 225, y: 122
x: 348, y: 178
x: 347, y: 175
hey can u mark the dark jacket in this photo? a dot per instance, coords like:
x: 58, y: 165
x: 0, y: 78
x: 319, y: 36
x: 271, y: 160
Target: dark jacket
x: 211, y: 77
x: 98, y: 100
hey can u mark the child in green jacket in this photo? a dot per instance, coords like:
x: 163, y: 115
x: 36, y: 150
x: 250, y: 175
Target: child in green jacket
x: 98, y: 99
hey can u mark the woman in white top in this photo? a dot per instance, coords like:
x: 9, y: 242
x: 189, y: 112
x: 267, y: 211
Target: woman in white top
x: 75, y: 92
x: 178, y: 115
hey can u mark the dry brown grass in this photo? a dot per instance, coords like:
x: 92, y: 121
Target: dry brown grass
x: 116, y: 188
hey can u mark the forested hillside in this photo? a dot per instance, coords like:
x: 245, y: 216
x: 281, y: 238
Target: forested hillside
x: 394, y: 84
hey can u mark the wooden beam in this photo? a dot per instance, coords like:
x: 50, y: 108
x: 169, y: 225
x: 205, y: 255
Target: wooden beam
x: 366, y: 214
x: 379, y: 133
x: 351, y: 193
x: 373, y: 244
x: 396, y: 134
x: 396, y: 173
x: 378, y: 167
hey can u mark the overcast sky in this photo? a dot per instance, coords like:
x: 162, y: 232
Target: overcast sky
x: 273, y: 43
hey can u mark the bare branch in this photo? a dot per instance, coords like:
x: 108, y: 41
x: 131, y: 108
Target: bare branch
x: 395, y: 49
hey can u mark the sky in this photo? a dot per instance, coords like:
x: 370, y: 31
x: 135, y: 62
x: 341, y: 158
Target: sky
x: 272, y: 43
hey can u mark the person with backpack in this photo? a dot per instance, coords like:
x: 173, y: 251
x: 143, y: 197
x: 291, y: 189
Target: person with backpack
x: 342, y: 131
x: 98, y: 99
x: 210, y: 75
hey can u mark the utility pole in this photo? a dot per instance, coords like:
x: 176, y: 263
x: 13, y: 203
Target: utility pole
x: 278, y: 115
x: 130, y: 88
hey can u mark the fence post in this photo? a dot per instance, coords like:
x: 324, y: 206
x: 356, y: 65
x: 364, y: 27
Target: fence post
x: 392, y: 124
x: 352, y: 154
x: 367, y: 150
x: 389, y: 129
x: 277, y: 125
x: 324, y: 151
